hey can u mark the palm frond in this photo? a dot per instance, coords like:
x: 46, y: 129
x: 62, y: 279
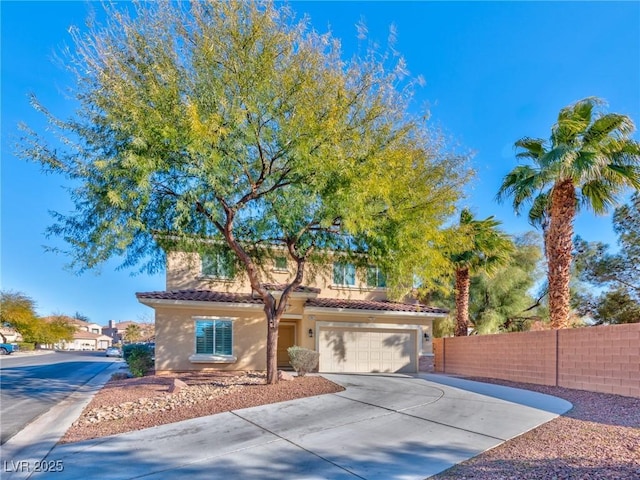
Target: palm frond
x: 599, y: 196
x: 487, y: 247
x: 628, y: 174
x: 539, y: 212
x: 532, y: 148
x: 573, y: 120
x: 521, y: 184
x: 606, y: 125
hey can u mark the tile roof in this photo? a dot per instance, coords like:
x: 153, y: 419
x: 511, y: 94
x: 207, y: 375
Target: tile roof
x: 200, y: 296
x: 279, y: 287
x: 222, y: 297
x: 382, y: 305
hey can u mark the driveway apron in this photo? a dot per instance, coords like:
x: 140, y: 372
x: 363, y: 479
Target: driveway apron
x: 380, y: 427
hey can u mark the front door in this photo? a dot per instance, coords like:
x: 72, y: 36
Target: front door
x: 286, y: 339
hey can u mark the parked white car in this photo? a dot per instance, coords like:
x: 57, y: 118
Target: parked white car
x: 113, y: 352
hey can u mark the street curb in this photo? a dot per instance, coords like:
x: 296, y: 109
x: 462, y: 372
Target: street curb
x: 31, y: 353
x: 30, y: 446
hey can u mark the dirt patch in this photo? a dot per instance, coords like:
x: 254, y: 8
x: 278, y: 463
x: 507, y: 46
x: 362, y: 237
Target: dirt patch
x: 136, y: 403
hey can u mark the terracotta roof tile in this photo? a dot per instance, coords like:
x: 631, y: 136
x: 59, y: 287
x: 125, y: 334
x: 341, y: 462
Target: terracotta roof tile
x: 382, y: 305
x: 279, y: 287
x: 199, y: 296
x: 223, y: 297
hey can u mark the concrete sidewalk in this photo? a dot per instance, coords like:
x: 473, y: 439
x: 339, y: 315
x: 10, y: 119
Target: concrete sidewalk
x: 380, y: 427
x: 25, y: 451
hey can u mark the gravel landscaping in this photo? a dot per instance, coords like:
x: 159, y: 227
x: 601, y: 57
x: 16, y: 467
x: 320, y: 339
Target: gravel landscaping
x: 599, y: 439
x: 137, y: 403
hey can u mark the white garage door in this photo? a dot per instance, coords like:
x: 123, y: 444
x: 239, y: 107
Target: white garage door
x: 360, y: 350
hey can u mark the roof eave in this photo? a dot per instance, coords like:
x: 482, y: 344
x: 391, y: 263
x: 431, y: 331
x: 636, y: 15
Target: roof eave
x: 360, y: 312
x: 158, y: 302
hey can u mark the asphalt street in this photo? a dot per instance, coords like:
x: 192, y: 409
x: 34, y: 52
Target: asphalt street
x: 31, y: 384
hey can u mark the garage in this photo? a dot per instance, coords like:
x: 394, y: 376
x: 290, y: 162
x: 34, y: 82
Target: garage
x: 367, y: 350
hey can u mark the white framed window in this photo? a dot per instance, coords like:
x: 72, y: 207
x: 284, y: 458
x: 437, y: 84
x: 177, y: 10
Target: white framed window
x: 218, y: 265
x: 280, y: 263
x: 344, y: 274
x: 214, y: 337
x: 375, y: 277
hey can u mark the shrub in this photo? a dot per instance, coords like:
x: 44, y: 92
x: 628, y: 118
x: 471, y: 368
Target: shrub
x: 139, y: 358
x: 119, y: 376
x: 303, y: 360
x: 26, y: 346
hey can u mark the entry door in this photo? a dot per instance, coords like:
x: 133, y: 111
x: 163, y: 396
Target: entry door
x: 286, y: 339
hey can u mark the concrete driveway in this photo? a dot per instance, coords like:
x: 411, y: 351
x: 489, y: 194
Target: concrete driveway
x: 380, y: 427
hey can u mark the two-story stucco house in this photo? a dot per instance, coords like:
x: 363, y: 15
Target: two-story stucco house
x: 205, y: 320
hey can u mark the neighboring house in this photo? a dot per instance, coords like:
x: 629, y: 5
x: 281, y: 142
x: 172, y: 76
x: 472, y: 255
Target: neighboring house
x: 87, y: 341
x: 9, y: 335
x: 116, y: 331
x: 88, y: 336
x: 205, y: 320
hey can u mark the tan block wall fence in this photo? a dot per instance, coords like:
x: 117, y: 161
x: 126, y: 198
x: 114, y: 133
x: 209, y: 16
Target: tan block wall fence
x: 599, y: 359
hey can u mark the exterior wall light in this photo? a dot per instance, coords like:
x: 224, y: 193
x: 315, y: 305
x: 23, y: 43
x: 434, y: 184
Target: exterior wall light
x: 310, y: 333
x: 426, y: 337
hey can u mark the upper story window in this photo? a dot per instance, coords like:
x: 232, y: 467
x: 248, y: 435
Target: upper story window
x: 218, y: 265
x: 375, y: 277
x: 344, y: 274
x: 280, y: 263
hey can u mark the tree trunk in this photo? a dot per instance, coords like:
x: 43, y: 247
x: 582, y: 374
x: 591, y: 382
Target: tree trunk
x: 559, y: 248
x: 463, y: 280
x: 272, y: 348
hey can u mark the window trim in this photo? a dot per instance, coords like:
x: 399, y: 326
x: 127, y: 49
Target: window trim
x: 280, y: 269
x: 211, y: 357
x: 378, y: 274
x: 344, y: 266
x: 220, y: 259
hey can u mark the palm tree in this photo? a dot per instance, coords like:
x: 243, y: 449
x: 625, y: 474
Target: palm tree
x: 589, y: 161
x: 487, y: 249
x: 132, y: 333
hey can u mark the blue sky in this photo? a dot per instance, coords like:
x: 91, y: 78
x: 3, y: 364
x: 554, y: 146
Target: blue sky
x: 494, y: 71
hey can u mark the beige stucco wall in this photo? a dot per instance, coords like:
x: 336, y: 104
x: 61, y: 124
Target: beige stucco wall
x: 175, y: 338
x: 175, y: 332
x: 184, y: 273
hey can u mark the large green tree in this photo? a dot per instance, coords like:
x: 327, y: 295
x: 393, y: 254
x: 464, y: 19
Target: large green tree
x: 234, y: 122
x: 18, y: 311
x: 589, y: 160
x: 486, y: 249
x: 618, y: 273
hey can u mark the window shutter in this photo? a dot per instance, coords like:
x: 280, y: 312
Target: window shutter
x: 224, y: 344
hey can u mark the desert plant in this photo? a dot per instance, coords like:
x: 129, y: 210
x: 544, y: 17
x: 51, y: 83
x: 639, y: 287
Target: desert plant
x: 303, y: 360
x: 139, y: 359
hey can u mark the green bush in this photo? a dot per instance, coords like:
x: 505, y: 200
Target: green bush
x: 131, y: 347
x: 303, y: 360
x: 26, y: 346
x: 139, y: 358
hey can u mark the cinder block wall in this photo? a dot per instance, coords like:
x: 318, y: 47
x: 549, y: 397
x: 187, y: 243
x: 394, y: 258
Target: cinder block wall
x: 600, y: 359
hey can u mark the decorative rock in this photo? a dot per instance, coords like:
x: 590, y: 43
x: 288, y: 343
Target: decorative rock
x: 177, y: 385
x: 286, y: 376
